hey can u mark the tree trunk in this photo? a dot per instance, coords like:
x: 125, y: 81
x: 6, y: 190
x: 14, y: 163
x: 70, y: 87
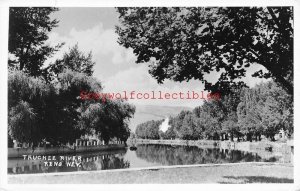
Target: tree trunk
x: 259, y: 137
x: 249, y: 137
x: 231, y: 136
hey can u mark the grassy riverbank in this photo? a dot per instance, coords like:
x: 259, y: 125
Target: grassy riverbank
x: 232, y: 173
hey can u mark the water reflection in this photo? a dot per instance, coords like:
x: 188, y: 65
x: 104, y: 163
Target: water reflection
x: 144, y: 156
x: 90, y: 161
x: 183, y: 155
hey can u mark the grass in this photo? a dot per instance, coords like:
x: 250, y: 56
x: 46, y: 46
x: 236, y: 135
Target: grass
x: 228, y: 174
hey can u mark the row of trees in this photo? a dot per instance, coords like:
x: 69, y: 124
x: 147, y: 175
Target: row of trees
x: 247, y: 112
x: 44, y: 101
x: 149, y: 129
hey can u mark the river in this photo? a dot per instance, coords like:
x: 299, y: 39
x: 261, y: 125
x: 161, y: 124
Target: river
x: 144, y: 156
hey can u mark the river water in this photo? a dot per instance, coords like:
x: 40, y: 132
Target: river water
x: 144, y: 156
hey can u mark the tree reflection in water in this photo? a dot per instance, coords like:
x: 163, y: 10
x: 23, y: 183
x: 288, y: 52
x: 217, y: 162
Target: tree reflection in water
x: 106, y: 162
x: 155, y: 154
x: 91, y: 161
x: 183, y: 155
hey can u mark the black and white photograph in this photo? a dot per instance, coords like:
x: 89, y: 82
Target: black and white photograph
x: 150, y: 95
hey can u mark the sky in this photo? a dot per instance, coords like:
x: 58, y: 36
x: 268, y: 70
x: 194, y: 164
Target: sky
x: 94, y: 30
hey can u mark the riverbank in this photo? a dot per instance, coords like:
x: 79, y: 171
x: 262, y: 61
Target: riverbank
x: 245, y: 146
x: 240, y: 173
x: 19, y: 152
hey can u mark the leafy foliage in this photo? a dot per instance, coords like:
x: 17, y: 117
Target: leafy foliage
x: 55, y: 112
x: 148, y: 130
x: 74, y: 60
x: 45, y: 103
x: 108, y: 120
x: 183, y: 43
x: 28, y: 33
x: 265, y: 109
x: 22, y: 115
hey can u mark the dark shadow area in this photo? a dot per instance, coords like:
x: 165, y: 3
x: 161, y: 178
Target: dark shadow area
x: 255, y: 179
x: 156, y: 169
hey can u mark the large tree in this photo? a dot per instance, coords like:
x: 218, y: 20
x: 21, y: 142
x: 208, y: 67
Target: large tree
x: 74, y: 60
x: 188, y: 128
x: 28, y: 33
x: 22, y: 115
x: 55, y: 111
x: 70, y: 84
x: 27, y: 100
x: 187, y: 43
x: 264, y: 110
x: 149, y: 129
x: 108, y: 120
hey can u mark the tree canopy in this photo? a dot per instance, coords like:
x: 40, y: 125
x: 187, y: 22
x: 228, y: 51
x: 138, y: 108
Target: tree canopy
x: 74, y: 60
x: 44, y: 103
x: 28, y: 33
x: 265, y: 109
x: 149, y: 129
x: 54, y: 111
x: 183, y: 43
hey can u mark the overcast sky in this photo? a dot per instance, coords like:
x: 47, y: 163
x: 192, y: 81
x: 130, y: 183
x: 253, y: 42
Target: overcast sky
x: 94, y: 30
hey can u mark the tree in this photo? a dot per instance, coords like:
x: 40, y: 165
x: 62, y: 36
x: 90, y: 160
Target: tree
x: 264, y: 110
x: 170, y: 133
x: 28, y: 29
x: 26, y: 106
x: 276, y: 109
x: 47, y: 110
x: 187, y: 130
x: 149, y: 129
x: 107, y: 120
x: 68, y: 103
x: 22, y: 115
x: 74, y: 60
x: 248, y: 116
x: 178, y: 120
x: 186, y: 43
x: 229, y: 104
x: 124, y: 112
x: 230, y: 126
x: 210, y: 118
